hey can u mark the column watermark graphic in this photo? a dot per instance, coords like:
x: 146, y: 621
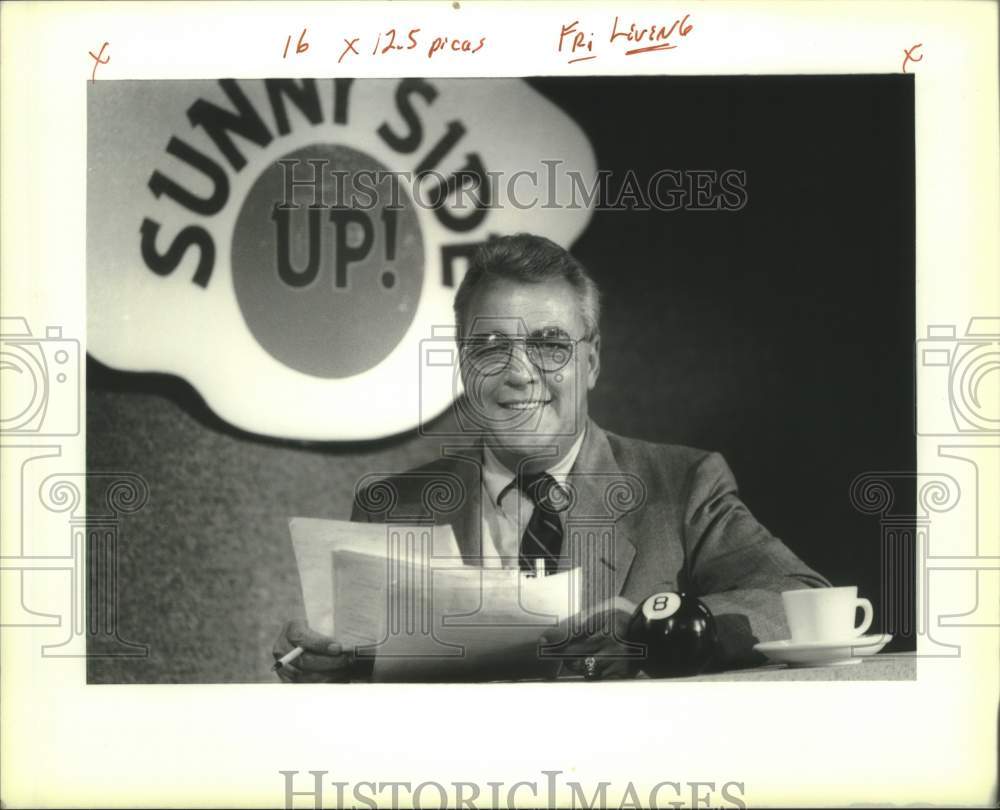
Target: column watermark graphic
x: 54, y: 544
x: 960, y: 416
x: 429, y: 600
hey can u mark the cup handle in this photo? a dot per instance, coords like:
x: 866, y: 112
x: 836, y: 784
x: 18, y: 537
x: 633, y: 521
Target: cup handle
x: 866, y: 622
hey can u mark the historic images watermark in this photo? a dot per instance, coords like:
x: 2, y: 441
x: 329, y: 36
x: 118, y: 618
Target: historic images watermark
x: 547, y: 790
x: 556, y: 187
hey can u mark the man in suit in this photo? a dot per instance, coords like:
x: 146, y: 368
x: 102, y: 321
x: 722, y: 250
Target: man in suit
x: 540, y: 485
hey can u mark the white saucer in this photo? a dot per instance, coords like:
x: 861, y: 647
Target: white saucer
x: 823, y: 653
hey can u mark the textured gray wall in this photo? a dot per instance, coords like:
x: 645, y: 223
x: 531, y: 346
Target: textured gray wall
x: 206, y: 570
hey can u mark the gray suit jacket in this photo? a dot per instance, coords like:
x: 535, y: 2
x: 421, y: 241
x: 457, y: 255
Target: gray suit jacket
x: 642, y: 518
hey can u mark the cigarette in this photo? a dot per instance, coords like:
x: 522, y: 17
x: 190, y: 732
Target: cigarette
x: 287, y: 658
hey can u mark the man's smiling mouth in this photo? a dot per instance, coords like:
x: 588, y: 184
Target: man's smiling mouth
x: 525, y: 405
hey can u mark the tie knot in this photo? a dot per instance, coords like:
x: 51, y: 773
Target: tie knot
x: 543, y: 490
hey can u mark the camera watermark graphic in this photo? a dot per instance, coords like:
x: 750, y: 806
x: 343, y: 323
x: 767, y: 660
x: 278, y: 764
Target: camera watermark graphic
x: 967, y: 369
x: 60, y: 564
x: 482, y: 369
x: 40, y: 379
x: 960, y: 412
x: 316, y: 789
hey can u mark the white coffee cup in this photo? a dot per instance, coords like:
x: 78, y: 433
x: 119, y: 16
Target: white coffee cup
x: 826, y: 614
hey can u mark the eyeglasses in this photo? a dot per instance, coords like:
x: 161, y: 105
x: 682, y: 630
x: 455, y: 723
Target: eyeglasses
x: 491, y: 354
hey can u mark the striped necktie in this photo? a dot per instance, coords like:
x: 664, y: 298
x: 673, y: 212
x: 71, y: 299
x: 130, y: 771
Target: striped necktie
x: 542, y: 539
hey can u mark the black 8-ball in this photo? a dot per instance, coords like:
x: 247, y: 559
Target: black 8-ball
x: 678, y: 633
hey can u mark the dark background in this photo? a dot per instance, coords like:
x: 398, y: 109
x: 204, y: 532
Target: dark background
x: 780, y: 335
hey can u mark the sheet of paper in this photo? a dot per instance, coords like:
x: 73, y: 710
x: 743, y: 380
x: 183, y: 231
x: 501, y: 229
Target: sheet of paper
x: 315, y: 540
x: 423, y: 622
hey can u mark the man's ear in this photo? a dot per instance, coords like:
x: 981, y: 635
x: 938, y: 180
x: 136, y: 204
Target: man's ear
x: 463, y: 372
x: 593, y: 361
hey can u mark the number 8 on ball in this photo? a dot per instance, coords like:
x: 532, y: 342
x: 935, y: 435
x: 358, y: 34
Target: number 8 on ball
x: 678, y: 633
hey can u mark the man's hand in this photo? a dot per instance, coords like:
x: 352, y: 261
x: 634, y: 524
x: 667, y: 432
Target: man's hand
x: 324, y: 661
x: 595, y: 644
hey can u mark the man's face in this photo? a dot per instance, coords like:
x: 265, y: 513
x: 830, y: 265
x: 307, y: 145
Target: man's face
x: 526, y: 369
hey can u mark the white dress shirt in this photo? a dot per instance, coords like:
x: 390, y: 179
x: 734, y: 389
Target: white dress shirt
x: 504, y: 520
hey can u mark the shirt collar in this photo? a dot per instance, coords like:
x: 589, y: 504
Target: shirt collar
x: 496, y: 477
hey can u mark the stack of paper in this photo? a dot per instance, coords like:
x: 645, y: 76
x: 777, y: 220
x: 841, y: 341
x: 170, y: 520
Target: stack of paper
x: 404, y: 595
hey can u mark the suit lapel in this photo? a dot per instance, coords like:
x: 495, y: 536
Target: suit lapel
x: 467, y: 521
x: 597, y: 526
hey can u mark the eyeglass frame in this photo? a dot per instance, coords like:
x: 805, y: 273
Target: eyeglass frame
x: 526, y: 340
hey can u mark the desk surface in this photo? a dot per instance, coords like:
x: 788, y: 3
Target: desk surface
x: 901, y: 667
x: 890, y: 667
x: 883, y: 667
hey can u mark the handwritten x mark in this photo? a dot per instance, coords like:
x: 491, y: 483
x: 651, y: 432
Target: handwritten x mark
x: 909, y: 57
x: 349, y: 49
x: 98, y: 61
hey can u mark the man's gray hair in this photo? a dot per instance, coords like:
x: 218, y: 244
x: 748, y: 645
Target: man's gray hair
x: 529, y: 259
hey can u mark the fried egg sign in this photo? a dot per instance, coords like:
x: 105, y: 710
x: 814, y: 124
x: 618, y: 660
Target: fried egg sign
x: 286, y: 245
